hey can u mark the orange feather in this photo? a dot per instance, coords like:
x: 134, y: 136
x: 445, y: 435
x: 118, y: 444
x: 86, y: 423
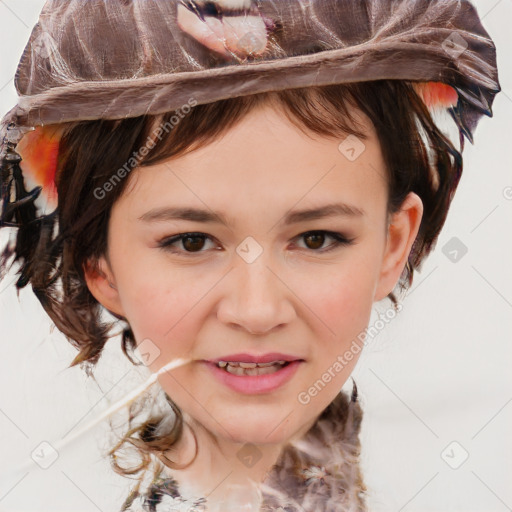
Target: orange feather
x: 436, y: 94
x: 39, y: 150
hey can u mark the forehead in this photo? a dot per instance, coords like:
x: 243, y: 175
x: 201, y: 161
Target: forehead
x: 268, y: 160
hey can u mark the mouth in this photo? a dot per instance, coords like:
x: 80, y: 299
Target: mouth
x: 251, y: 369
x: 254, y: 374
x: 254, y: 365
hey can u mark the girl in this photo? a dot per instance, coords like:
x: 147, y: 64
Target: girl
x: 237, y: 183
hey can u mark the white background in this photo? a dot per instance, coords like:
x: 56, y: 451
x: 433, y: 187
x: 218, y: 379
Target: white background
x: 438, y: 373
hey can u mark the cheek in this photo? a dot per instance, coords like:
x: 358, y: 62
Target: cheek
x: 160, y: 306
x: 167, y: 306
x: 341, y: 296
x: 344, y: 312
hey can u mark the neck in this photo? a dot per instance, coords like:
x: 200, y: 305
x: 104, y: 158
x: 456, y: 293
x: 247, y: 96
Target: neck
x: 223, y: 467
x: 316, y: 468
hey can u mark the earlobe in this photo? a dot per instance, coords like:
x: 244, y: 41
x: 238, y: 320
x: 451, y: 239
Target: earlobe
x: 402, y: 231
x: 101, y: 284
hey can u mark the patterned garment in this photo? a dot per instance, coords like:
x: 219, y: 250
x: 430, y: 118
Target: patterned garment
x: 163, y: 495
x: 318, y: 473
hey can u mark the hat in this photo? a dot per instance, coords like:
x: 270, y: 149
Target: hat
x: 113, y: 59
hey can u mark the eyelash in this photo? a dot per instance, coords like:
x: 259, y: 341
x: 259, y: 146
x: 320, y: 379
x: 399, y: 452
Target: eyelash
x: 340, y: 240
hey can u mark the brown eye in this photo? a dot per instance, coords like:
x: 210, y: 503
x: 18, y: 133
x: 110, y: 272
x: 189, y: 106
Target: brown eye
x: 317, y: 240
x: 193, y: 243
x: 314, y: 240
x: 190, y: 243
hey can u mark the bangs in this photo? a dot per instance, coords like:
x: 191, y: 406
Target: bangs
x: 326, y: 111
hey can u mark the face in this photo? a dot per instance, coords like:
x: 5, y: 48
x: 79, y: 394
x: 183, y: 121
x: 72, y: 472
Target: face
x: 269, y: 280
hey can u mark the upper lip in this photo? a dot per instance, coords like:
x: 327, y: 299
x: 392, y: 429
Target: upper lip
x: 249, y: 358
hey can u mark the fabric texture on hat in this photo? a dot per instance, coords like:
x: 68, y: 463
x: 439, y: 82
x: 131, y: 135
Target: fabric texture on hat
x: 116, y: 58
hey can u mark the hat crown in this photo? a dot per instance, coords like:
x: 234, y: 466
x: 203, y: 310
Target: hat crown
x: 116, y: 58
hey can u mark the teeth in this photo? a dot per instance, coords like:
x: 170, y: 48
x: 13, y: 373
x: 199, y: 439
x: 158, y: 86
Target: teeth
x: 239, y: 368
x: 222, y: 364
x: 264, y: 365
x: 247, y: 365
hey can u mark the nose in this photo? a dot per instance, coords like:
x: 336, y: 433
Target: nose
x: 256, y: 298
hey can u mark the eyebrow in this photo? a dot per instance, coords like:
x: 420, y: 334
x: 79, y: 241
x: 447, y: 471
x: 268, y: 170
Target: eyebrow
x: 292, y: 217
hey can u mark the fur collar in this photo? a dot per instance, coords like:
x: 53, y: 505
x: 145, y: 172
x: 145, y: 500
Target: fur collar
x: 318, y: 473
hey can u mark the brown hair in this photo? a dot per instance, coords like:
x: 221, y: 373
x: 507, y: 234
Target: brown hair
x: 53, y: 249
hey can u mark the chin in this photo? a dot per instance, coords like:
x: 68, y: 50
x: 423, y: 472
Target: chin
x: 272, y: 431
x: 257, y: 438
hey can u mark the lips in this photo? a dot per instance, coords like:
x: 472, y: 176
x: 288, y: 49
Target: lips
x: 253, y: 358
x: 233, y: 26
x: 255, y: 384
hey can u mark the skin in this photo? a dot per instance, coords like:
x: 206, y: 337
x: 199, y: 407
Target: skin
x: 293, y: 298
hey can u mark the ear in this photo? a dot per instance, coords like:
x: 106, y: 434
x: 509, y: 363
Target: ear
x: 401, y: 233
x: 101, y: 283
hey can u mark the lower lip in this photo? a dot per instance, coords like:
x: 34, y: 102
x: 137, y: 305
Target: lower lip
x: 255, y: 384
